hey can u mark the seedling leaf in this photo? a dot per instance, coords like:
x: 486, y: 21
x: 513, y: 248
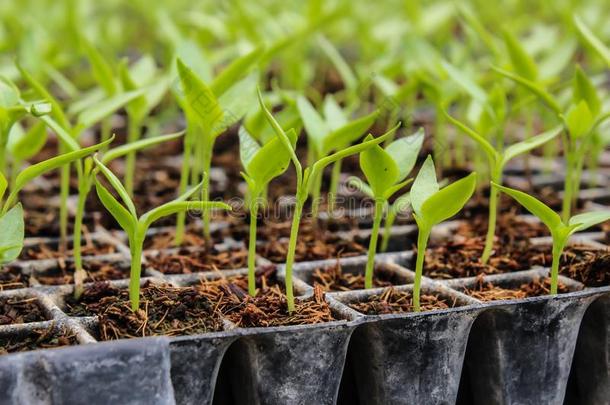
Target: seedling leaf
x: 379, y: 168
x: 11, y: 237
x: 527, y: 145
x: 404, y: 151
x: 124, y: 218
x: 583, y: 89
x: 424, y: 186
x: 536, y: 207
x: 593, y: 40
x: 589, y: 219
x: 448, y: 201
x: 547, y: 98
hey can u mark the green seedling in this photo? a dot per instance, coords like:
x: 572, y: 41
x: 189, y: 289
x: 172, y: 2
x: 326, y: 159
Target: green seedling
x: 580, y: 121
x: 136, y: 226
x: 497, y: 160
x: 209, y: 111
x: 592, y: 40
x: 433, y: 205
x: 305, y: 179
x: 11, y: 223
x: 560, y: 230
x: 261, y: 165
x: 386, y: 171
x: 326, y: 134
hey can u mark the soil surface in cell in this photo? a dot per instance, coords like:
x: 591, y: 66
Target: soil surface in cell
x: 12, y: 278
x: 43, y: 251
x: 392, y: 301
x: 38, y: 339
x: 187, y: 261
x: 592, y: 268
x: 335, y: 279
x: 14, y: 310
x: 487, y: 291
x: 164, y: 310
x: 96, y: 270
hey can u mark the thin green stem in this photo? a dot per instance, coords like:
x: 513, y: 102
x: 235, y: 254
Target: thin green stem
x: 206, y: 165
x: 496, y: 177
x: 133, y: 134
x: 136, y: 246
x: 370, y: 263
x: 79, y: 273
x: 566, y: 205
x: 64, y: 191
x: 422, y: 242
x: 184, y: 180
x: 315, y: 198
x: 252, y: 248
x: 557, y: 249
x: 292, y: 246
x: 106, y: 128
x: 334, y: 186
x: 387, y: 230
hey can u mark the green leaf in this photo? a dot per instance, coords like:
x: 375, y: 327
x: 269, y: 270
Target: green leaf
x: 174, y: 207
x: 448, y: 201
x: 348, y: 77
x: 31, y: 172
x: 200, y: 103
x: 136, y: 108
x: 64, y: 137
x: 347, y: 134
x: 334, y: 115
x: 237, y: 102
x: 424, y: 186
x: 401, y: 204
x: 100, y: 67
x: 125, y: 219
x: 125, y: 149
x: 57, y: 111
x: 24, y: 145
x: 270, y: 161
x: 527, y: 145
x: 522, y: 62
x: 547, y: 98
x: 11, y: 237
x: 9, y: 94
x: 404, y: 151
x: 579, y: 120
x: 235, y: 71
x: 98, y: 111
x: 592, y: 40
x: 487, y: 147
x: 466, y: 82
x: 583, y: 89
x: 312, y: 121
x: 379, y: 168
x: 589, y: 219
x: 536, y: 207
x: 248, y: 147
x: 3, y: 186
x: 118, y: 186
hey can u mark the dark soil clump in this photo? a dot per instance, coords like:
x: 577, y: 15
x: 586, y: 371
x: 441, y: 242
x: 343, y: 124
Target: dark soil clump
x: 14, y: 310
x: 38, y: 339
x: 487, y: 291
x: 335, y: 279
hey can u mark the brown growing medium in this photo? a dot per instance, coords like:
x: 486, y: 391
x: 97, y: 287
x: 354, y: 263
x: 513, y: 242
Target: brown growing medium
x: 97, y: 270
x: 44, y: 251
x: 186, y: 261
x: 335, y: 279
x: 269, y: 308
x: 591, y: 268
x: 37, y: 339
x: 14, y: 310
x: 487, y: 291
x: 164, y: 310
x: 311, y: 245
x: 509, y: 228
x: 12, y: 278
x: 392, y: 301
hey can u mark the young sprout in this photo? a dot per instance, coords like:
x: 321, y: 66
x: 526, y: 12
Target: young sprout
x: 593, y: 41
x: 85, y: 182
x: 209, y: 111
x: 497, y: 159
x: 328, y: 134
x: 386, y: 172
x: 136, y: 226
x: 580, y: 121
x: 433, y: 205
x: 261, y: 165
x: 305, y: 179
x: 560, y: 230
x: 11, y: 223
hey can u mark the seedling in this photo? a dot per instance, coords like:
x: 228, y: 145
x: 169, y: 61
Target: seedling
x: 209, y: 111
x: 136, y: 226
x: 386, y: 171
x: 326, y: 134
x: 11, y: 223
x: 580, y: 121
x: 497, y: 159
x: 305, y: 179
x: 433, y: 205
x: 560, y: 230
x: 261, y: 165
